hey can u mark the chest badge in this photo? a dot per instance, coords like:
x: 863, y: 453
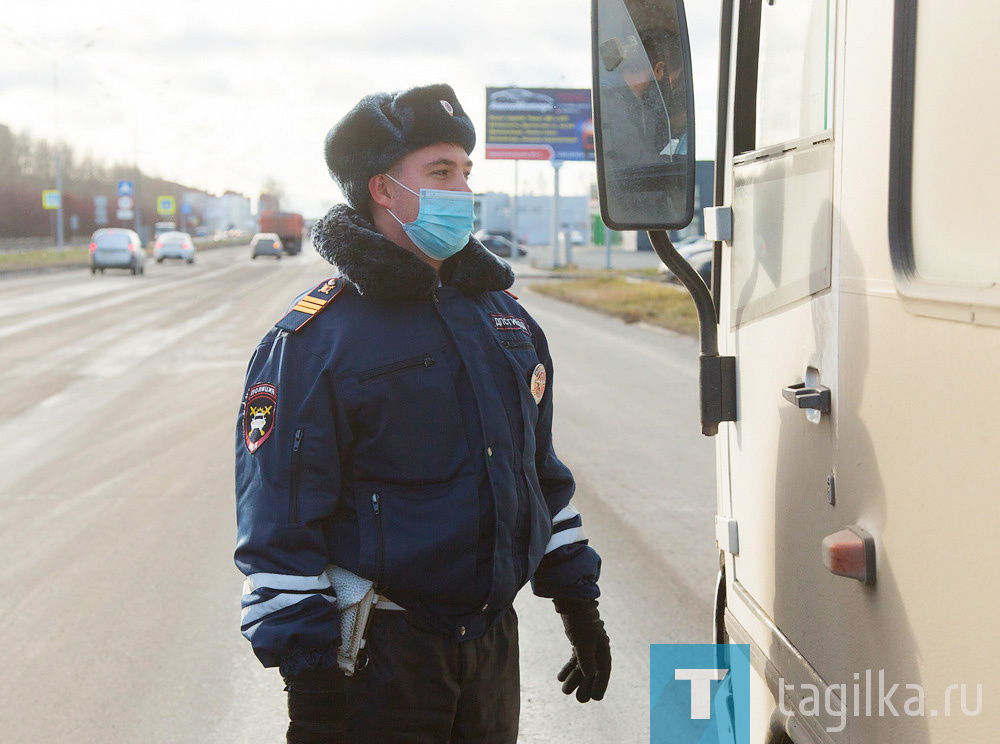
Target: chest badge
x: 258, y: 415
x: 538, y: 383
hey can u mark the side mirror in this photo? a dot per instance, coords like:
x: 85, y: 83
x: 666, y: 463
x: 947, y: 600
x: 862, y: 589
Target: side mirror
x: 643, y: 114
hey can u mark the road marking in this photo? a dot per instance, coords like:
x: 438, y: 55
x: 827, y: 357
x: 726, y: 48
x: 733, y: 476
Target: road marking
x: 58, y: 317
x: 137, y: 348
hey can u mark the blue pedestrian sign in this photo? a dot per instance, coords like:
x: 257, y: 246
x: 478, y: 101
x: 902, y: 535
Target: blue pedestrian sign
x: 185, y: 208
x: 125, y: 188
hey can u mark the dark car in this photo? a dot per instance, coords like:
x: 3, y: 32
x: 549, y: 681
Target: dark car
x: 266, y: 244
x: 501, y: 246
x: 698, y: 253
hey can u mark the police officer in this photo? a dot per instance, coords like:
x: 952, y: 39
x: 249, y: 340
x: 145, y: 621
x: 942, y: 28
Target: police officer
x: 397, y: 423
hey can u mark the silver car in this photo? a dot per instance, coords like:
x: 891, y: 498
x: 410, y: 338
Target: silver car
x: 174, y: 245
x: 116, y: 248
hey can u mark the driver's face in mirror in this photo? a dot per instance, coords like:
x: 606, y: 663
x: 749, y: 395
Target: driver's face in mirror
x: 657, y: 61
x: 637, y: 73
x: 651, y: 73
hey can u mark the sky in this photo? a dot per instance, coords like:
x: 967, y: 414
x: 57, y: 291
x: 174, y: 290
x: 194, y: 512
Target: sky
x: 225, y: 95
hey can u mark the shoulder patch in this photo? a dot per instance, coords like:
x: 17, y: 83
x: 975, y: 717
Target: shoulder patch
x: 310, y: 305
x: 507, y: 291
x: 259, y: 411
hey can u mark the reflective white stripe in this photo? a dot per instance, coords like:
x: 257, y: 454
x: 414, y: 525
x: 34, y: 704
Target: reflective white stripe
x: 572, y: 535
x: 286, y: 581
x: 567, y: 512
x: 255, y: 612
x: 384, y: 603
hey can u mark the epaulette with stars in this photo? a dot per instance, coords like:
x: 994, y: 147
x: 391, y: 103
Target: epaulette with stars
x: 310, y: 305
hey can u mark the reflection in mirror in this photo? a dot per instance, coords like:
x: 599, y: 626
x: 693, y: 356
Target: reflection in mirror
x: 644, y: 107
x: 612, y: 53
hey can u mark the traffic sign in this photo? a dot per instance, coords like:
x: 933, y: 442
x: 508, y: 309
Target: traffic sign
x: 51, y: 199
x: 101, y: 209
x: 125, y: 202
x: 125, y: 188
x: 185, y: 208
x: 166, y: 205
x: 125, y: 214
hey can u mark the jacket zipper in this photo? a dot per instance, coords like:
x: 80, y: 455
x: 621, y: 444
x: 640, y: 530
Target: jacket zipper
x: 379, y: 554
x: 293, y: 499
x: 427, y: 361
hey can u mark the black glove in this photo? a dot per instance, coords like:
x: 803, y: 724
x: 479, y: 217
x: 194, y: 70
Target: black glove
x: 316, y: 707
x: 589, y: 668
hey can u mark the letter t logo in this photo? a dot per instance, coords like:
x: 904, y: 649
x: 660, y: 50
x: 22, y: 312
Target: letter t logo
x: 701, y: 689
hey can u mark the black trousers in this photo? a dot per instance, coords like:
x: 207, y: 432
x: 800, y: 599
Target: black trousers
x: 427, y: 688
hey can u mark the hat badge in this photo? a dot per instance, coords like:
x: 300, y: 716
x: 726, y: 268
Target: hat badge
x: 447, y: 107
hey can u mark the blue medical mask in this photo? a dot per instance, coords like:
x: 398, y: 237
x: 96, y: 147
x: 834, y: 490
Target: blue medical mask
x: 444, y: 221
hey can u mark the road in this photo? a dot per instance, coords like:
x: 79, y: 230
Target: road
x: 121, y: 601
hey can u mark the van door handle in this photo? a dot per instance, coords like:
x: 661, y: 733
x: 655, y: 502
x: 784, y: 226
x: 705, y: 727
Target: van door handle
x: 817, y: 398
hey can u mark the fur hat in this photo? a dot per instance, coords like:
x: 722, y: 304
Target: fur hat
x: 384, y: 127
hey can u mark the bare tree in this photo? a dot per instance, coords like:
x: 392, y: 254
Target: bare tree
x: 273, y: 189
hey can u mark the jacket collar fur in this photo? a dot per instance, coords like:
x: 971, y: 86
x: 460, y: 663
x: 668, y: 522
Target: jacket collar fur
x: 383, y: 271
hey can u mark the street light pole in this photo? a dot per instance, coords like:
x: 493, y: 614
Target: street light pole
x: 556, y: 222
x: 55, y: 60
x: 117, y: 96
x: 60, y: 236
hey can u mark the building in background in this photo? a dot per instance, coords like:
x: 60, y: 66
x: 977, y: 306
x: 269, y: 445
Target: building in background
x: 236, y: 214
x: 268, y: 203
x: 231, y: 211
x: 581, y: 215
x: 495, y: 213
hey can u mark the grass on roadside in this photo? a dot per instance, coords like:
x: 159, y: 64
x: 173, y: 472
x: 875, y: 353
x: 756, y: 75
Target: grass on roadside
x: 42, y: 259
x: 657, y: 303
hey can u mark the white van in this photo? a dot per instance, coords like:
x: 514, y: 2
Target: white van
x: 850, y: 342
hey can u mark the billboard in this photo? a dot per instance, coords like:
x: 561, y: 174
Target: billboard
x: 539, y: 124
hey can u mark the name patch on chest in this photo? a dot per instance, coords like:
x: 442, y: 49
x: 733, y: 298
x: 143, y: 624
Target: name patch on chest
x: 510, y: 323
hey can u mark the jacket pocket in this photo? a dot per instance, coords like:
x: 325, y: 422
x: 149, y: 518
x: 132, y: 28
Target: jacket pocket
x: 522, y: 360
x: 424, y: 361
x: 408, y: 422
x: 295, y: 476
x: 422, y: 541
x: 516, y: 344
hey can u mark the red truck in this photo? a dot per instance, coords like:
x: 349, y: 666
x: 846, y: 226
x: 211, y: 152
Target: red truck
x: 288, y: 226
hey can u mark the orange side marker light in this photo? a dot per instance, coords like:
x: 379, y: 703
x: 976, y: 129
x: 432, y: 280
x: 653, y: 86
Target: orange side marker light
x: 850, y: 553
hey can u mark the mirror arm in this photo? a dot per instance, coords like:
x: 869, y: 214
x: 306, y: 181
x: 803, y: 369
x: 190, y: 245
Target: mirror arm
x: 695, y: 285
x: 717, y: 374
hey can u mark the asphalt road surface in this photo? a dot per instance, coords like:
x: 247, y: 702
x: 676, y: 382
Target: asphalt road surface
x: 120, y: 598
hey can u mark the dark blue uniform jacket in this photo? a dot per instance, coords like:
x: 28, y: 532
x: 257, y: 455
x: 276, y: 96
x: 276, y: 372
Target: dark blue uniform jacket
x: 402, y: 430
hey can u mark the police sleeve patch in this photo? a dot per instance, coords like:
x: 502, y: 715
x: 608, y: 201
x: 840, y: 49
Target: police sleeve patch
x: 258, y: 415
